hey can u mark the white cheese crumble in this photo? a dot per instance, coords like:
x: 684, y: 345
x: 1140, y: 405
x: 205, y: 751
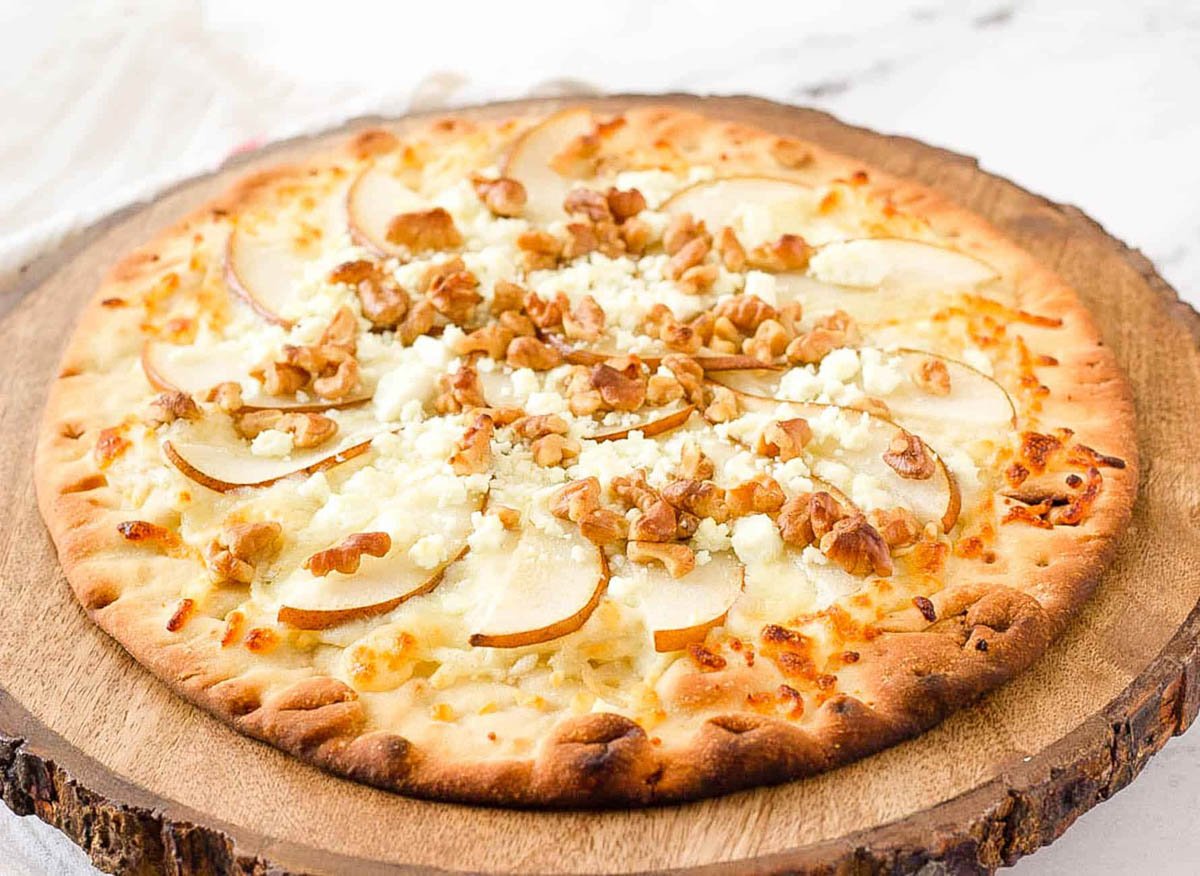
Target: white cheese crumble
x: 272, y: 442
x: 756, y: 539
x: 429, y: 551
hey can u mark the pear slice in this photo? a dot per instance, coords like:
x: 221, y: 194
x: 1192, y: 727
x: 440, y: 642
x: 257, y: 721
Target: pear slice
x: 654, y: 421
x: 224, y: 462
x: 597, y: 355
x: 529, y: 162
x: 679, y: 611
x: 975, y: 400
x: 186, y: 368
x: 544, y: 587
x: 889, y: 264
x: 374, y: 199
x: 936, y: 498
x: 717, y: 202
x: 380, y: 584
x: 264, y: 271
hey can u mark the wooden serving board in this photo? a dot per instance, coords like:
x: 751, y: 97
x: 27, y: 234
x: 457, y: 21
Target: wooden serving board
x: 147, y: 783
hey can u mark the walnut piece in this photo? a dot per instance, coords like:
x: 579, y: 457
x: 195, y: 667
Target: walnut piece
x: 503, y: 196
x: 745, y: 312
x: 658, y: 522
x: 585, y: 321
x: 623, y: 388
x: 733, y: 255
x: 424, y: 230
x: 168, y: 407
x: 786, y: 439
x: 723, y: 407
x: 474, y: 449
x: 531, y: 353
x: 677, y: 559
x: 699, y: 497
x: 898, y: 526
x: 932, y: 376
x: 909, y: 458
x: 384, y: 302
x: 591, y: 204
x: 625, y: 204
x: 455, y: 296
x: 763, y: 495
x: 576, y: 499
x: 603, y: 526
x: 806, y: 517
x: 789, y: 253
x: 239, y: 548
x: 346, y: 556
x: 541, y: 250
x: 857, y: 547
x: 459, y: 391
x: 554, y: 449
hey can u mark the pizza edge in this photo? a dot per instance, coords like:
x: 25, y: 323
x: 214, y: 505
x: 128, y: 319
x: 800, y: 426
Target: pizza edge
x: 604, y: 758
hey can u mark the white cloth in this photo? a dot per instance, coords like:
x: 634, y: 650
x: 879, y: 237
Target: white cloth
x: 1093, y: 103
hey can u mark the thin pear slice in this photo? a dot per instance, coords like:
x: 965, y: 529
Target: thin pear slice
x: 185, y: 368
x: 264, y: 270
x: 679, y: 611
x: 717, y: 202
x: 597, y: 355
x: 529, y: 162
x: 975, y: 400
x: 375, y: 198
x: 936, y: 498
x: 896, y: 264
x: 544, y: 587
x: 380, y: 584
x: 225, y: 463
x: 654, y: 421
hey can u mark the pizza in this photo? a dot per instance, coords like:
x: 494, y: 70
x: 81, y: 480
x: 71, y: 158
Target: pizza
x: 583, y: 459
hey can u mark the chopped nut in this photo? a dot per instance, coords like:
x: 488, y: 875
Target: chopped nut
x: 807, y: 517
x: 307, y: 429
x: 553, y: 449
x: 518, y: 323
x: 455, y: 296
x: 251, y: 423
x: 576, y: 499
x: 383, y: 300
x: 699, y: 497
x: 633, y: 490
x: 909, y: 458
x: 545, y: 314
x: 339, y: 384
x: 658, y: 522
x: 786, y: 439
x: 507, y: 296
x: 932, y: 376
x: 763, y: 495
x: 458, y: 391
x: 662, y: 389
x: 898, y: 526
x: 253, y: 542
x: 813, y: 346
x: 228, y: 396
x: 589, y: 203
x: 677, y: 559
x: 694, y: 464
x: 224, y: 567
x: 436, y: 272
x: 346, y: 556
x: 503, y: 196
x: 697, y: 279
x: 531, y: 353
x: 533, y: 427
x: 474, y: 451
x: 625, y: 204
x: 585, y: 321
x: 541, y: 250
x: 733, y: 255
x: 493, y: 340
x: 419, y: 321
x: 789, y: 253
x: 168, y: 407
x: 689, y: 374
x: 279, y: 378
x: 680, y: 230
x: 840, y: 321
x: 691, y: 253
x: 603, y: 526
x: 857, y: 547
x: 745, y: 312
x: 637, y: 235
x: 510, y: 518
x: 723, y: 407
x: 621, y: 390
x: 424, y: 230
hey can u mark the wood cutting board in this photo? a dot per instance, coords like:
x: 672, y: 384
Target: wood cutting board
x: 147, y: 783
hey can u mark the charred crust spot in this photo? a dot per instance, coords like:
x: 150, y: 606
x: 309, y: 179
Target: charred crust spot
x: 71, y: 431
x: 707, y: 660
x: 86, y: 484
x: 981, y: 645
x: 777, y: 635
x: 114, y: 302
x: 1074, y: 481
x: 925, y: 606
x: 183, y: 612
x: 69, y: 371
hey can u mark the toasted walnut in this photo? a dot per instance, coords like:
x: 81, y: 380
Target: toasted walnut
x: 340, y: 383
x: 723, y: 407
x: 790, y: 314
x: 589, y: 203
x: 279, y: 378
x: 383, y: 300
x: 932, y: 376
x: 689, y: 374
x: 733, y: 255
x: 541, y: 250
x: 474, y: 450
x: 419, y: 321
x: 789, y: 253
x: 492, y: 339
x: 691, y: 253
x: 723, y: 329
x: 661, y: 322
x: 346, y: 556
x: 694, y: 464
x: 763, y: 495
x: 898, y: 526
x: 637, y: 235
x: 840, y: 321
x: 909, y: 458
x: 458, y: 391
x: 545, y: 313
x: 677, y: 559
x: 503, y: 196
x: 662, y: 389
x: 537, y: 426
x: 857, y: 547
x: 424, y: 230
x: 581, y: 240
x: 625, y: 204
x: 518, y: 323
x: 770, y: 341
x: 253, y: 542
x: 532, y: 353
x: 786, y: 439
x: 680, y: 231
x: 603, y: 526
x: 576, y: 499
x: 224, y: 567
x: 813, y: 346
x: 871, y: 405
x: 633, y: 490
x: 168, y: 407
x: 658, y: 522
x: 341, y: 332
x: 585, y: 321
x: 503, y: 416
x: 582, y: 399
x: 698, y: 497
x: 621, y: 389
x: 507, y: 296
x: 455, y: 296
x: 307, y: 429
x: 251, y: 423
x: 554, y: 449
x: 745, y: 312
x: 807, y: 517
x: 698, y: 279
x: 144, y: 532
x: 437, y: 271
x: 510, y: 518
x: 227, y: 395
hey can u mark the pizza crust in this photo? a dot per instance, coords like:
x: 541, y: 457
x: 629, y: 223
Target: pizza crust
x: 907, y: 679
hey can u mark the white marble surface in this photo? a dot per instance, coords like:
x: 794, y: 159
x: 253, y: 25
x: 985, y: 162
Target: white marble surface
x: 1092, y: 103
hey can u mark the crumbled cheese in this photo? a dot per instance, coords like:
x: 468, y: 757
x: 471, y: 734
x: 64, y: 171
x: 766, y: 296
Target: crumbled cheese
x: 487, y: 533
x: 762, y: 285
x: 880, y: 375
x: 429, y: 551
x: 711, y: 536
x: 848, y: 264
x: 840, y: 365
x: 545, y: 403
x: 272, y: 442
x: 756, y: 539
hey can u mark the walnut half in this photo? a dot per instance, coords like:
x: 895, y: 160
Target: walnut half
x: 857, y: 547
x: 346, y: 556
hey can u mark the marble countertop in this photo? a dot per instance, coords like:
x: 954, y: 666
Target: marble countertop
x: 1092, y: 104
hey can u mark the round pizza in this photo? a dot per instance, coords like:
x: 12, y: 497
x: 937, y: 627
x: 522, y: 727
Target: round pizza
x: 584, y: 459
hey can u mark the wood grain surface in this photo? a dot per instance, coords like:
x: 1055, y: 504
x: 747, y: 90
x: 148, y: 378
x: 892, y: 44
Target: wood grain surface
x: 146, y: 783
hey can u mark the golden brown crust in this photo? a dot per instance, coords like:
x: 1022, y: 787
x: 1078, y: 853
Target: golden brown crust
x: 907, y: 678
